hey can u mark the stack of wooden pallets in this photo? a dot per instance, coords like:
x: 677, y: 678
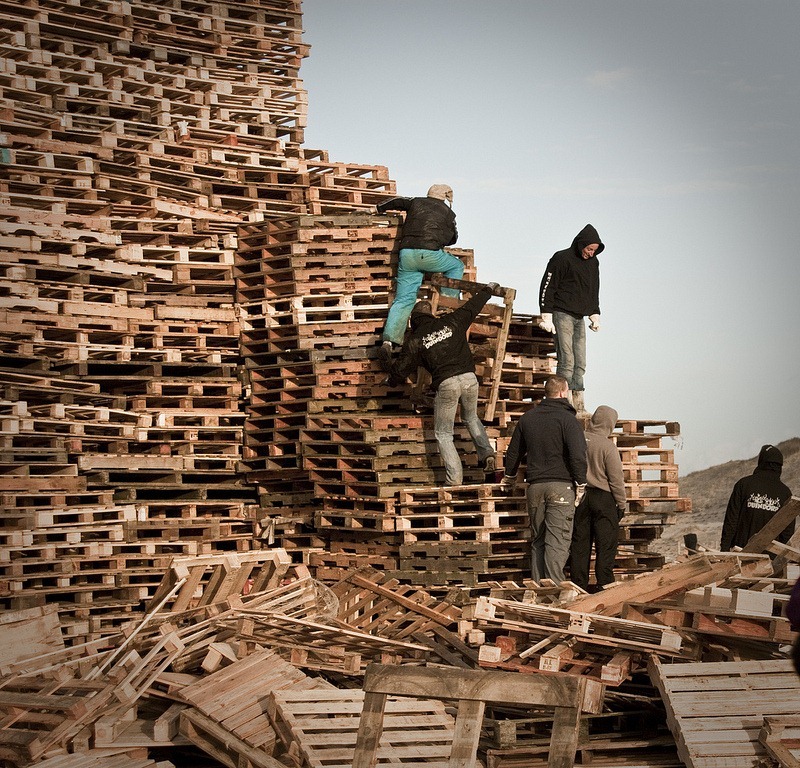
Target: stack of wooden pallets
x: 134, y: 141
x: 190, y: 302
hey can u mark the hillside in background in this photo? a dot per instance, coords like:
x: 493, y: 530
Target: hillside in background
x: 709, y: 490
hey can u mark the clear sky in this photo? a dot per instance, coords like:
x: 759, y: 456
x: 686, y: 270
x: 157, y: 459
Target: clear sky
x: 672, y: 126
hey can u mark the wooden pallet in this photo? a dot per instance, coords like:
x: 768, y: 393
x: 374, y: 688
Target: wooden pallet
x: 228, y: 719
x: 716, y: 710
x: 780, y: 736
x: 569, y: 697
x: 319, y: 728
x: 201, y: 581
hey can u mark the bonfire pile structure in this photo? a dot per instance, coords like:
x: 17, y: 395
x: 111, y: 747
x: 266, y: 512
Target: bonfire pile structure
x: 215, y: 513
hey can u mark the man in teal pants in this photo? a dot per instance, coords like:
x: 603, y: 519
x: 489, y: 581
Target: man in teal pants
x: 430, y: 225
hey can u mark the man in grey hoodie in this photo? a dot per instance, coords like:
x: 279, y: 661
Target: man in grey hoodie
x: 598, y: 515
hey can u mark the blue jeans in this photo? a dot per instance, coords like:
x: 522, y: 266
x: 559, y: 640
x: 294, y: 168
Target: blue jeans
x: 464, y: 389
x: 570, y: 348
x: 551, y: 509
x: 414, y: 263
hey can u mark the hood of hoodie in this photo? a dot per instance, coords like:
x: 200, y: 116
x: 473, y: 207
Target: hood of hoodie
x: 587, y: 236
x: 770, y: 458
x: 420, y: 318
x: 603, y: 421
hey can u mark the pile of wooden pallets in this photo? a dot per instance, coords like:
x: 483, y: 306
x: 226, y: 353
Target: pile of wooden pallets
x: 190, y: 302
x: 134, y: 140
x: 248, y: 659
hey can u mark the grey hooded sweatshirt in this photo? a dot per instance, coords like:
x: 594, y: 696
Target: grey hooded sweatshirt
x: 604, y: 463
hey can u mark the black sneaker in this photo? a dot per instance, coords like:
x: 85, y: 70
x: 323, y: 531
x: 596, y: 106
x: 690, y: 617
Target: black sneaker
x: 489, y: 464
x: 385, y: 355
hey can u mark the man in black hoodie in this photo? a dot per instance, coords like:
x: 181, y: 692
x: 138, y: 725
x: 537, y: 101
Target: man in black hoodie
x: 440, y: 345
x: 570, y: 291
x: 754, y: 500
x: 553, y: 440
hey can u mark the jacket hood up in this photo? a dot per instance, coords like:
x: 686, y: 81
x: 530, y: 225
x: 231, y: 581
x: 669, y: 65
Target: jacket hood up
x: 420, y: 315
x: 603, y: 421
x: 770, y: 458
x: 587, y: 236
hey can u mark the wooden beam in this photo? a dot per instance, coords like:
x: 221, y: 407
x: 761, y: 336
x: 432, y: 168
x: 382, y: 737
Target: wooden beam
x: 697, y: 571
x: 481, y: 685
x: 763, y: 538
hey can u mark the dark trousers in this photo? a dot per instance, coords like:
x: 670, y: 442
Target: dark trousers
x: 596, y: 522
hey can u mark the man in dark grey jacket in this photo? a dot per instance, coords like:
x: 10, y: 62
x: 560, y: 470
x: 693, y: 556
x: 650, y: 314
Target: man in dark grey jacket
x: 553, y: 440
x: 430, y: 225
x: 598, y: 516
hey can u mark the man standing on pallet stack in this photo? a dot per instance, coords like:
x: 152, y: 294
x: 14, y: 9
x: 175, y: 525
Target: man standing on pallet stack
x: 430, y: 225
x: 570, y: 291
x: 440, y: 345
x: 598, y: 516
x: 553, y: 441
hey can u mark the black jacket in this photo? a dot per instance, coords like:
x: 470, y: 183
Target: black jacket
x: 439, y: 343
x: 553, y: 440
x: 754, y: 500
x: 429, y: 224
x: 571, y: 283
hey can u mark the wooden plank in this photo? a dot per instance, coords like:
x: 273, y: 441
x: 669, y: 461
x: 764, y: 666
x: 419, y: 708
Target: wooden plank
x: 697, y: 571
x: 475, y: 685
x: 221, y: 744
x: 370, y: 728
x: 780, y: 736
x: 761, y: 540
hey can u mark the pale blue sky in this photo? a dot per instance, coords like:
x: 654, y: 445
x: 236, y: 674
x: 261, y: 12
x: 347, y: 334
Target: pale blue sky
x: 672, y: 126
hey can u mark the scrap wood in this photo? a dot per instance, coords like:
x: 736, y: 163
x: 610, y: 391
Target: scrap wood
x: 761, y: 540
x: 370, y: 601
x: 448, y: 646
x: 30, y: 632
x: 718, y: 621
x: 208, y: 579
x: 780, y: 736
x: 542, y: 592
x: 605, y: 750
x: 203, y: 627
x: 133, y: 727
x: 233, y: 700
x: 321, y: 727
x: 81, y: 655
x: 39, y: 715
x: 49, y: 710
x: 104, y: 758
x: 696, y: 571
x: 589, y: 629
x: 569, y: 658
x: 787, y: 556
x: 473, y: 689
x: 314, y: 645
x: 715, y: 710
x: 218, y: 742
